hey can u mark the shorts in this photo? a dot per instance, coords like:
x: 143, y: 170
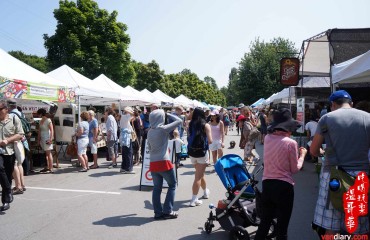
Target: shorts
x: 215, y: 146
x: 200, y: 160
x: 82, y: 146
x: 17, y: 163
x: 112, y: 150
x: 93, y: 146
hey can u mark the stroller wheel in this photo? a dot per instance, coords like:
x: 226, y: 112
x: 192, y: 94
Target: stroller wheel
x: 272, y: 231
x: 208, y: 227
x: 239, y: 233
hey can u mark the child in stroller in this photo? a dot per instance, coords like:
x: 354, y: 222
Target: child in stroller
x: 241, y: 208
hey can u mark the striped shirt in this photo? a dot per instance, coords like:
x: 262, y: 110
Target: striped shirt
x: 281, y: 157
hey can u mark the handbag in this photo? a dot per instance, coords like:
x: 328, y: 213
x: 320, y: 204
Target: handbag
x: 254, y: 133
x: 340, y: 180
x: 72, y: 148
x: 339, y: 184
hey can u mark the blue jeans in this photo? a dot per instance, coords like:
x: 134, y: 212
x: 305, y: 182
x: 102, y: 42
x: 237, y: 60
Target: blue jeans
x: 170, y: 178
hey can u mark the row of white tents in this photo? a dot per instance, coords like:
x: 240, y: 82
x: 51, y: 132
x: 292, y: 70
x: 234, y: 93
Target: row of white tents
x: 99, y: 91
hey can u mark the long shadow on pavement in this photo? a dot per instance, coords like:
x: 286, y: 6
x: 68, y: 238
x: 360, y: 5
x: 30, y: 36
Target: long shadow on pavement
x: 124, y: 221
x: 105, y: 174
x: 217, y: 234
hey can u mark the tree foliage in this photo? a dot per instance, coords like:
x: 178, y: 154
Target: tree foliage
x: 34, y: 61
x: 148, y: 76
x: 189, y: 84
x: 258, y: 72
x: 91, y: 41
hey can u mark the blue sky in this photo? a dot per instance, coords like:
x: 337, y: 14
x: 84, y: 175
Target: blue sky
x: 209, y: 37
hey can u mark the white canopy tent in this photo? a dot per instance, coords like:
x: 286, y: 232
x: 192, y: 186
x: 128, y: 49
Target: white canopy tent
x: 12, y: 68
x: 142, y: 99
x: 145, y: 92
x: 127, y: 97
x: 312, y: 88
x: 84, y: 87
x: 355, y: 70
x: 163, y: 97
x: 184, y: 101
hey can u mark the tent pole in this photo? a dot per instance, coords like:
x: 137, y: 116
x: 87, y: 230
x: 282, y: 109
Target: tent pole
x: 79, y: 108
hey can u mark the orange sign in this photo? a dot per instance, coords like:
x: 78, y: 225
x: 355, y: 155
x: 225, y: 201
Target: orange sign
x: 289, y: 71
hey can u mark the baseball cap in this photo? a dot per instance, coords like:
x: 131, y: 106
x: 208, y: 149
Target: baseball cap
x: 339, y: 94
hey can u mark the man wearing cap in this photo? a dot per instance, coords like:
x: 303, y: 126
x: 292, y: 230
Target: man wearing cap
x: 346, y: 132
x: 10, y: 131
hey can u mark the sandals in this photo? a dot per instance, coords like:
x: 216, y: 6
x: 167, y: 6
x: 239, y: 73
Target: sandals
x: 94, y: 167
x: 171, y: 215
x: 83, y: 170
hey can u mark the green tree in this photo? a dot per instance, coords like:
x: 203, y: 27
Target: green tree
x: 258, y: 72
x: 211, y: 81
x: 91, y: 41
x: 34, y: 61
x: 189, y: 84
x: 148, y: 76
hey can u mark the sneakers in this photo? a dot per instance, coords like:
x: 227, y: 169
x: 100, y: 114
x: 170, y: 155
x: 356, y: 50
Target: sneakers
x: 206, y: 194
x: 112, y: 165
x: 196, y: 202
x: 130, y: 172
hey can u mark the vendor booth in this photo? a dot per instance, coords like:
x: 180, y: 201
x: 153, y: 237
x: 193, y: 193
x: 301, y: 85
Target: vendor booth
x: 33, y: 90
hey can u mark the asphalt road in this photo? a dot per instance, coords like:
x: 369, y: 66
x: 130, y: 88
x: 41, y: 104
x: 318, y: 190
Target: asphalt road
x: 104, y: 204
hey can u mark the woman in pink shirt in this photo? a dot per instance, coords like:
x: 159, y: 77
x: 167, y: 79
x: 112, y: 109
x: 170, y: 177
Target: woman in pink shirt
x: 281, y: 161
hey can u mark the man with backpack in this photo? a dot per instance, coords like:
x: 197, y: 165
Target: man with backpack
x: 10, y: 131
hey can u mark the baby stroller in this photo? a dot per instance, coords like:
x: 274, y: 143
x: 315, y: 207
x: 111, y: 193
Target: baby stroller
x: 242, y: 206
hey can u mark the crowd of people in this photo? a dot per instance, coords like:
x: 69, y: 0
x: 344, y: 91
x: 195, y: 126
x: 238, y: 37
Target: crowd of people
x: 133, y: 128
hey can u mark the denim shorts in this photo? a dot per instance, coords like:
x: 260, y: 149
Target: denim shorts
x: 82, y: 146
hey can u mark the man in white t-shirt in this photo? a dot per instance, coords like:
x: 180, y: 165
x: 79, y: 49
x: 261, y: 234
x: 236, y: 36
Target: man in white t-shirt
x: 311, y: 128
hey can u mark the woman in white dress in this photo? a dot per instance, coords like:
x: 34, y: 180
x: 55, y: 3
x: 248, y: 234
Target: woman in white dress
x: 45, y: 139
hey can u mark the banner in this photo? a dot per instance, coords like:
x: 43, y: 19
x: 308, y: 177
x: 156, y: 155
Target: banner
x: 146, y: 176
x: 300, y: 114
x: 289, y: 71
x: 13, y: 88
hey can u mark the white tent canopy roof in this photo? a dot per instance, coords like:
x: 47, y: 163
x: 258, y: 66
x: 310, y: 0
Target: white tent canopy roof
x: 355, y: 70
x: 145, y: 92
x: 141, y: 98
x: 163, y: 97
x: 12, y: 68
x: 184, y: 101
x: 316, y: 57
x: 127, y: 97
x: 314, y: 82
x: 331, y: 47
x: 89, y: 94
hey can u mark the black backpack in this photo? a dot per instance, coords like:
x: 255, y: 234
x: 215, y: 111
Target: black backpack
x: 25, y: 124
x: 197, y: 144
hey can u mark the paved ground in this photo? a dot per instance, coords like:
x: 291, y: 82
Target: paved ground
x: 104, y: 204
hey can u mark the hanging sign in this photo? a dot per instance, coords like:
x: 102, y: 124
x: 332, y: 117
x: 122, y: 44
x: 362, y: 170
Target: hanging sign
x: 289, y: 71
x: 13, y: 88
